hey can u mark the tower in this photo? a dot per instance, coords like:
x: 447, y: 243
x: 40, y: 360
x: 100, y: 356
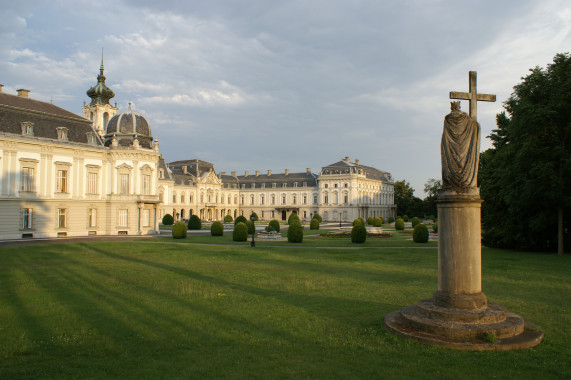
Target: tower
x: 99, y: 111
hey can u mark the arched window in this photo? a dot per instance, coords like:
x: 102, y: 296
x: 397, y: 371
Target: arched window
x: 105, y: 120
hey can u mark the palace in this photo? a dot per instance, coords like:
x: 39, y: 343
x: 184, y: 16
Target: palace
x: 102, y: 174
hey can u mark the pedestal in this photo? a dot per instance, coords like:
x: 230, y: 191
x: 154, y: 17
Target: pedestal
x: 459, y: 315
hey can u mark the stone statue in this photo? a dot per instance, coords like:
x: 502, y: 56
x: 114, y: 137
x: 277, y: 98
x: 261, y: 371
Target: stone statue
x: 460, y: 150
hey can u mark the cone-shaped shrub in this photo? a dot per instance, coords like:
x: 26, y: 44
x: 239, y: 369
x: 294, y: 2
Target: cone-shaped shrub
x: 420, y: 233
x: 293, y: 217
x: 391, y: 219
x: 216, y: 229
x: 415, y: 221
x: 228, y: 219
x: 314, y: 224
x: 295, y: 232
x: 378, y: 222
x: 370, y: 220
x: 274, y: 225
x: 318, y: 217
x: 405, y: 218
x: 240, y: 232
x: 399, y: 224
x: 194, y: 223
x: 358, y: 221
x: 250, y: 226
x: 255, y: 216
x: 240, y: 219
x: 358, y: 233
x: 179, y: 230
x: 168, y: 220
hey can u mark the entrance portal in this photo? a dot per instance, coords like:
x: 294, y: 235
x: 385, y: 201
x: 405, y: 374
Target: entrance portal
x: 284, y: 215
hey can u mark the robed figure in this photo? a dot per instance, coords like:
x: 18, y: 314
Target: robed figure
x: 460, y: 150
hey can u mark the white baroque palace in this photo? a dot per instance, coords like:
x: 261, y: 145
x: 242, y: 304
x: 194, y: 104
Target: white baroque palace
x: 102, y: 174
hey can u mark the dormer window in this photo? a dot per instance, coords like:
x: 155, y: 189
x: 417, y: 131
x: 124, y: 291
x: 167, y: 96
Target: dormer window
x: 61, y: 133
x: 27, y: 128
x: 91, y: 138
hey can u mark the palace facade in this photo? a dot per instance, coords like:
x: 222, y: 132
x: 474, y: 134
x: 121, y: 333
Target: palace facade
x: 102, y: 174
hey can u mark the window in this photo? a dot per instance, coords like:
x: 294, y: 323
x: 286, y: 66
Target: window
x: 305, y: 214
x: 274, y: 185
x: 91, y: 183
x: 314, y: 199
x: 346, y: 198
x: 173, y: 197
x: 123, y: 218
x: 262, y: 200
x: 123, y: 184
x: 273, y: 200
x: 27, y: 179
x: 294, y: 199
x: 326, y: 186
x: 236, y: 200
x: 26, y: 218
x: 346, y: 185
x: 182, y: 198
x: 335, y: 185
x: 326, y: 199
x: 251, y: 199
x: 229, y: 199
x: 283, y: 199
x: 92, y: 217
x: 304, y: 199
x: 146, y: 178
x: 61, y: 217
x: 62, y: 181
x: 242, y: 200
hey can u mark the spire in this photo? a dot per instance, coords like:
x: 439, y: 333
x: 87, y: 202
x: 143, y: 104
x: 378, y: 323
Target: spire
x: 100, y: 93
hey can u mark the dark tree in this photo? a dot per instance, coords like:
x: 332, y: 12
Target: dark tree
x: 525, y: 178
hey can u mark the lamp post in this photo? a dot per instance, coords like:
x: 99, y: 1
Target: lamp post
x: 339, y: 220
x: 253, y: 219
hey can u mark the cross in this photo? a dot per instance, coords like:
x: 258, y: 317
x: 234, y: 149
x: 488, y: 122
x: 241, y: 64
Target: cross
x: 472, y: 96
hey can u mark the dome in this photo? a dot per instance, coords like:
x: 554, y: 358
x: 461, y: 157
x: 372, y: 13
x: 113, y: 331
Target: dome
x: 126, y: 126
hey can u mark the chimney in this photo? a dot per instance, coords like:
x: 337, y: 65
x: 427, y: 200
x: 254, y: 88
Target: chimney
x: 222, y: 173
x: 233, y: 174
x: 286, y: 171
x: 269, y: 173
x: 184, y: 169
x: 23, y: 93
x: 245, y: 174
x: 257, y: 173
x: 356, y: 162
x: 308, y: 170
x: 346, y: 159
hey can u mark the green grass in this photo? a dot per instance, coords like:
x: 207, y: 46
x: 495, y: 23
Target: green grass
x: 148, y: 310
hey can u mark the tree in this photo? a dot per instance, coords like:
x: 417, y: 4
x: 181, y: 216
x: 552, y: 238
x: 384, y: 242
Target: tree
x: 404, y: 197
x: 431, y: 188
x: 525, y: 177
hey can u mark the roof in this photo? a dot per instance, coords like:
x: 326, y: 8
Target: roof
x: 347, y: 167
x: 45, y: 117
x: 194, y: 167
x: 268, y: 181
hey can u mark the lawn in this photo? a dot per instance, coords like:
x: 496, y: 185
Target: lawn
x: 160, y: 310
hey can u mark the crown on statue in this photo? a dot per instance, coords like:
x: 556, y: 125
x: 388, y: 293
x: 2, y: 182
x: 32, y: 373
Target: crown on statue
x: 455, y: 106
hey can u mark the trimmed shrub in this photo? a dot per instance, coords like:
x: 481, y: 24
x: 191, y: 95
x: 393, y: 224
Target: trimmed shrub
x: 295, y: 232
x: 216, y: 229
x: 405, y: 218
x: 240, y: 219
x: 420, y: 233
x: 318, y: 217
x: 370, y: 221
x: 194, y: 223
x: 293, y: 217
x: 168, y: 220
x: 250, y: 226
x: 435, y: 226
x: 415, y: 221
x: 255, y: 216
x: 179, y: 230
x: 228, y: 219
x: 359, y: 221
x: 358, y: 234
x: 240, y: 232
x: 378, y: 222
x: 391, y: 219
x: 274, y: 225
x: 382, y: 220
x: 314, y: 224
x: 399, y: 224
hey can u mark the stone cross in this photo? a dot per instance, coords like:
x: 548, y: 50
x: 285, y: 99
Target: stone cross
x: 472, y: 96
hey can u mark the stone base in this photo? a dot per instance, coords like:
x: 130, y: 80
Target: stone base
x: 464, y: 329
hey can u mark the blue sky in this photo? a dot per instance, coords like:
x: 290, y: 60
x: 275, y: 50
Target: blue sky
x: 257, y: 85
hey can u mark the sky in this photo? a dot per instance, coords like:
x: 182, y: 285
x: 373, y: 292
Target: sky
x: 257, y: 85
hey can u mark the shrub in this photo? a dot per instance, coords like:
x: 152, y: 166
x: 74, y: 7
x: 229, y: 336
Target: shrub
x: 250, y: 226
x: 314, y: 224
x: 240, y: 232
x: 378, y: 222
x: 295, y: 232
x: 420, y: 233
x: 274, y: 225
x: 194, y: 223
x: 293, y: 217
x: 435, y: 226
x: 370, y: 220
x: 228, y: 219
x: 391, y: 219
x: 359, y: 221
x: 399, y: 224
x: 240, y: 219
x: 382, y: 220
x: 358, y: 233
x: 318, y: 217
x: 216, y: 229
x: 168, y: 220
x: 405, y: 218
x: 179, y: 230
x: 255, y: 216
x: 432, y: 217
x: 415, y: 221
